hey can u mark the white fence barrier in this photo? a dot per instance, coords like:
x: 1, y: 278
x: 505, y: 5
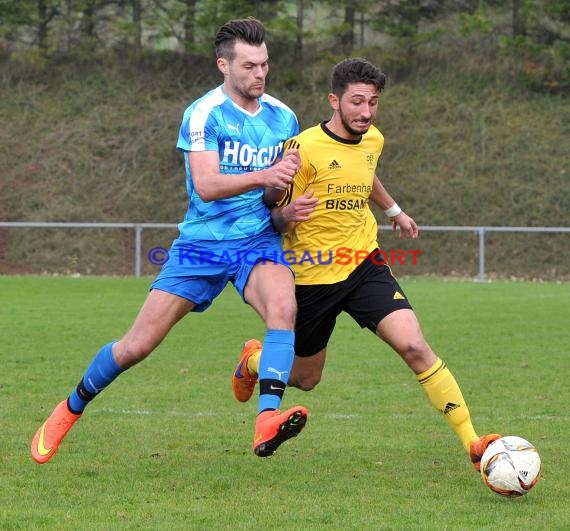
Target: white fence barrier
x: 139, y: 227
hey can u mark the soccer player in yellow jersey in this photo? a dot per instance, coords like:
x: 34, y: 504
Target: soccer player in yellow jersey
x: 331, y: 241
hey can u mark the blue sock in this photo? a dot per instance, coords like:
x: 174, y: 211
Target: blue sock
x: 102, y: 371
x: 274, y: 367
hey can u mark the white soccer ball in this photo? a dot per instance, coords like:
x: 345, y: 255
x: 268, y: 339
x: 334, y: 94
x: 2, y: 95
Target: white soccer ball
x: 510, y: 466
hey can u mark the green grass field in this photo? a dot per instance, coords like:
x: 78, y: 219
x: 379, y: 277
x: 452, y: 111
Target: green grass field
x: 167, y: 446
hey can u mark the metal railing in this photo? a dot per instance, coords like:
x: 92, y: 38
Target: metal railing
x: 138, y: 228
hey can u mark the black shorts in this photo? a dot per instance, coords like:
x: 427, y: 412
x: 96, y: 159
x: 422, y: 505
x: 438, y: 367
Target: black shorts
x: 368, y: 295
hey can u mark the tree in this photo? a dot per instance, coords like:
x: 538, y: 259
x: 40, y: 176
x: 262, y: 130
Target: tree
x: 299, y: 20
x: 518, y: 22
x: 347, y: 37
x: 189, y: 16
x: 137, y: 25
x: 28, y: 21
x: 402, y: 18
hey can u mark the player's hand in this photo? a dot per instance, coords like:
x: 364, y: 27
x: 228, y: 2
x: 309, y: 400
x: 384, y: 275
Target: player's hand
x: 300, y: 209
x: 406, y: 225
x: 293, y: 156
x: 281, y: 174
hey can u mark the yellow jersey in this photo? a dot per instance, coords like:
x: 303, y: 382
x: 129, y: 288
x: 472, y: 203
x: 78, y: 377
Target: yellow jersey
x: 342, y: 230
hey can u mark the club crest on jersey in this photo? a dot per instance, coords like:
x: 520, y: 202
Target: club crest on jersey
x: 236, y: 153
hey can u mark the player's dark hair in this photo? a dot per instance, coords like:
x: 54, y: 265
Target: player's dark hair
x: 248, y: 30
x: 355, y: 70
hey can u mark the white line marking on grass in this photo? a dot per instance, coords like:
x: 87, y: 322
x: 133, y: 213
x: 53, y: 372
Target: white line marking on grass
x: 123, y: 411
x: 341, y: 416
x: 148, y: 412
x: 548, y: 418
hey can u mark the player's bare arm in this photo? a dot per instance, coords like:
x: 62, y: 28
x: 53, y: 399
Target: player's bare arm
x: 286, y: 217
x: 272, y: 196
x: 212, y: 185
x: 401, y: 221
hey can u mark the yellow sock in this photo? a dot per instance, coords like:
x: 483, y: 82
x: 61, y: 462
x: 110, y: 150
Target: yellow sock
x: 253, y: 364
x: 445, y: 395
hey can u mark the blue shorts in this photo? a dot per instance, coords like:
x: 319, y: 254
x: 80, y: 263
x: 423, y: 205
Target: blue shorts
x: 200, y: 270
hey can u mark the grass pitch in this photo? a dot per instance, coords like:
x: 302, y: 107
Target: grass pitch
x: 167, y: 446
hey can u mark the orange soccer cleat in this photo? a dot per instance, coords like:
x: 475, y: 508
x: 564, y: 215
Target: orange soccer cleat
x: 243, y: 383
x: 479, y: 446
x: 50, y: 434
x: 272, y: 428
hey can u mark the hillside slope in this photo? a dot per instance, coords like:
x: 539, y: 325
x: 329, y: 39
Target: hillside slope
x: 98, y: 144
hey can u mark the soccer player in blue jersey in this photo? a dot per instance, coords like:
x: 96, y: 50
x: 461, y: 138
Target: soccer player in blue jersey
x: 232, y: 141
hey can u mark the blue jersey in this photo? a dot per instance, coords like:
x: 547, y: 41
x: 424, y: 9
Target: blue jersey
x: 245, y: 142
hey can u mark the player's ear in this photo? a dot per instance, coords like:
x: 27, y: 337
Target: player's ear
x: 333, y: 101
x: 222, y: 65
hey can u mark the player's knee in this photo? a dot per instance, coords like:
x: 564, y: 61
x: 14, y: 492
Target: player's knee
x: 415, y: 352
x: 283, y: 312
x: 130, y: 352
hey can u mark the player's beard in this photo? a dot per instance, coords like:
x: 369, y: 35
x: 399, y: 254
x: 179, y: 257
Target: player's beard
x: 349, y: 129
x: 250, y: 93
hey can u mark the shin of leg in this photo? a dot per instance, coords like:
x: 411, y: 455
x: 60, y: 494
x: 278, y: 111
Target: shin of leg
x: 102, y: 371
x: 275, y: 367
x: 160, y: 312
x: 445, y: 395
x: 401, y: 330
